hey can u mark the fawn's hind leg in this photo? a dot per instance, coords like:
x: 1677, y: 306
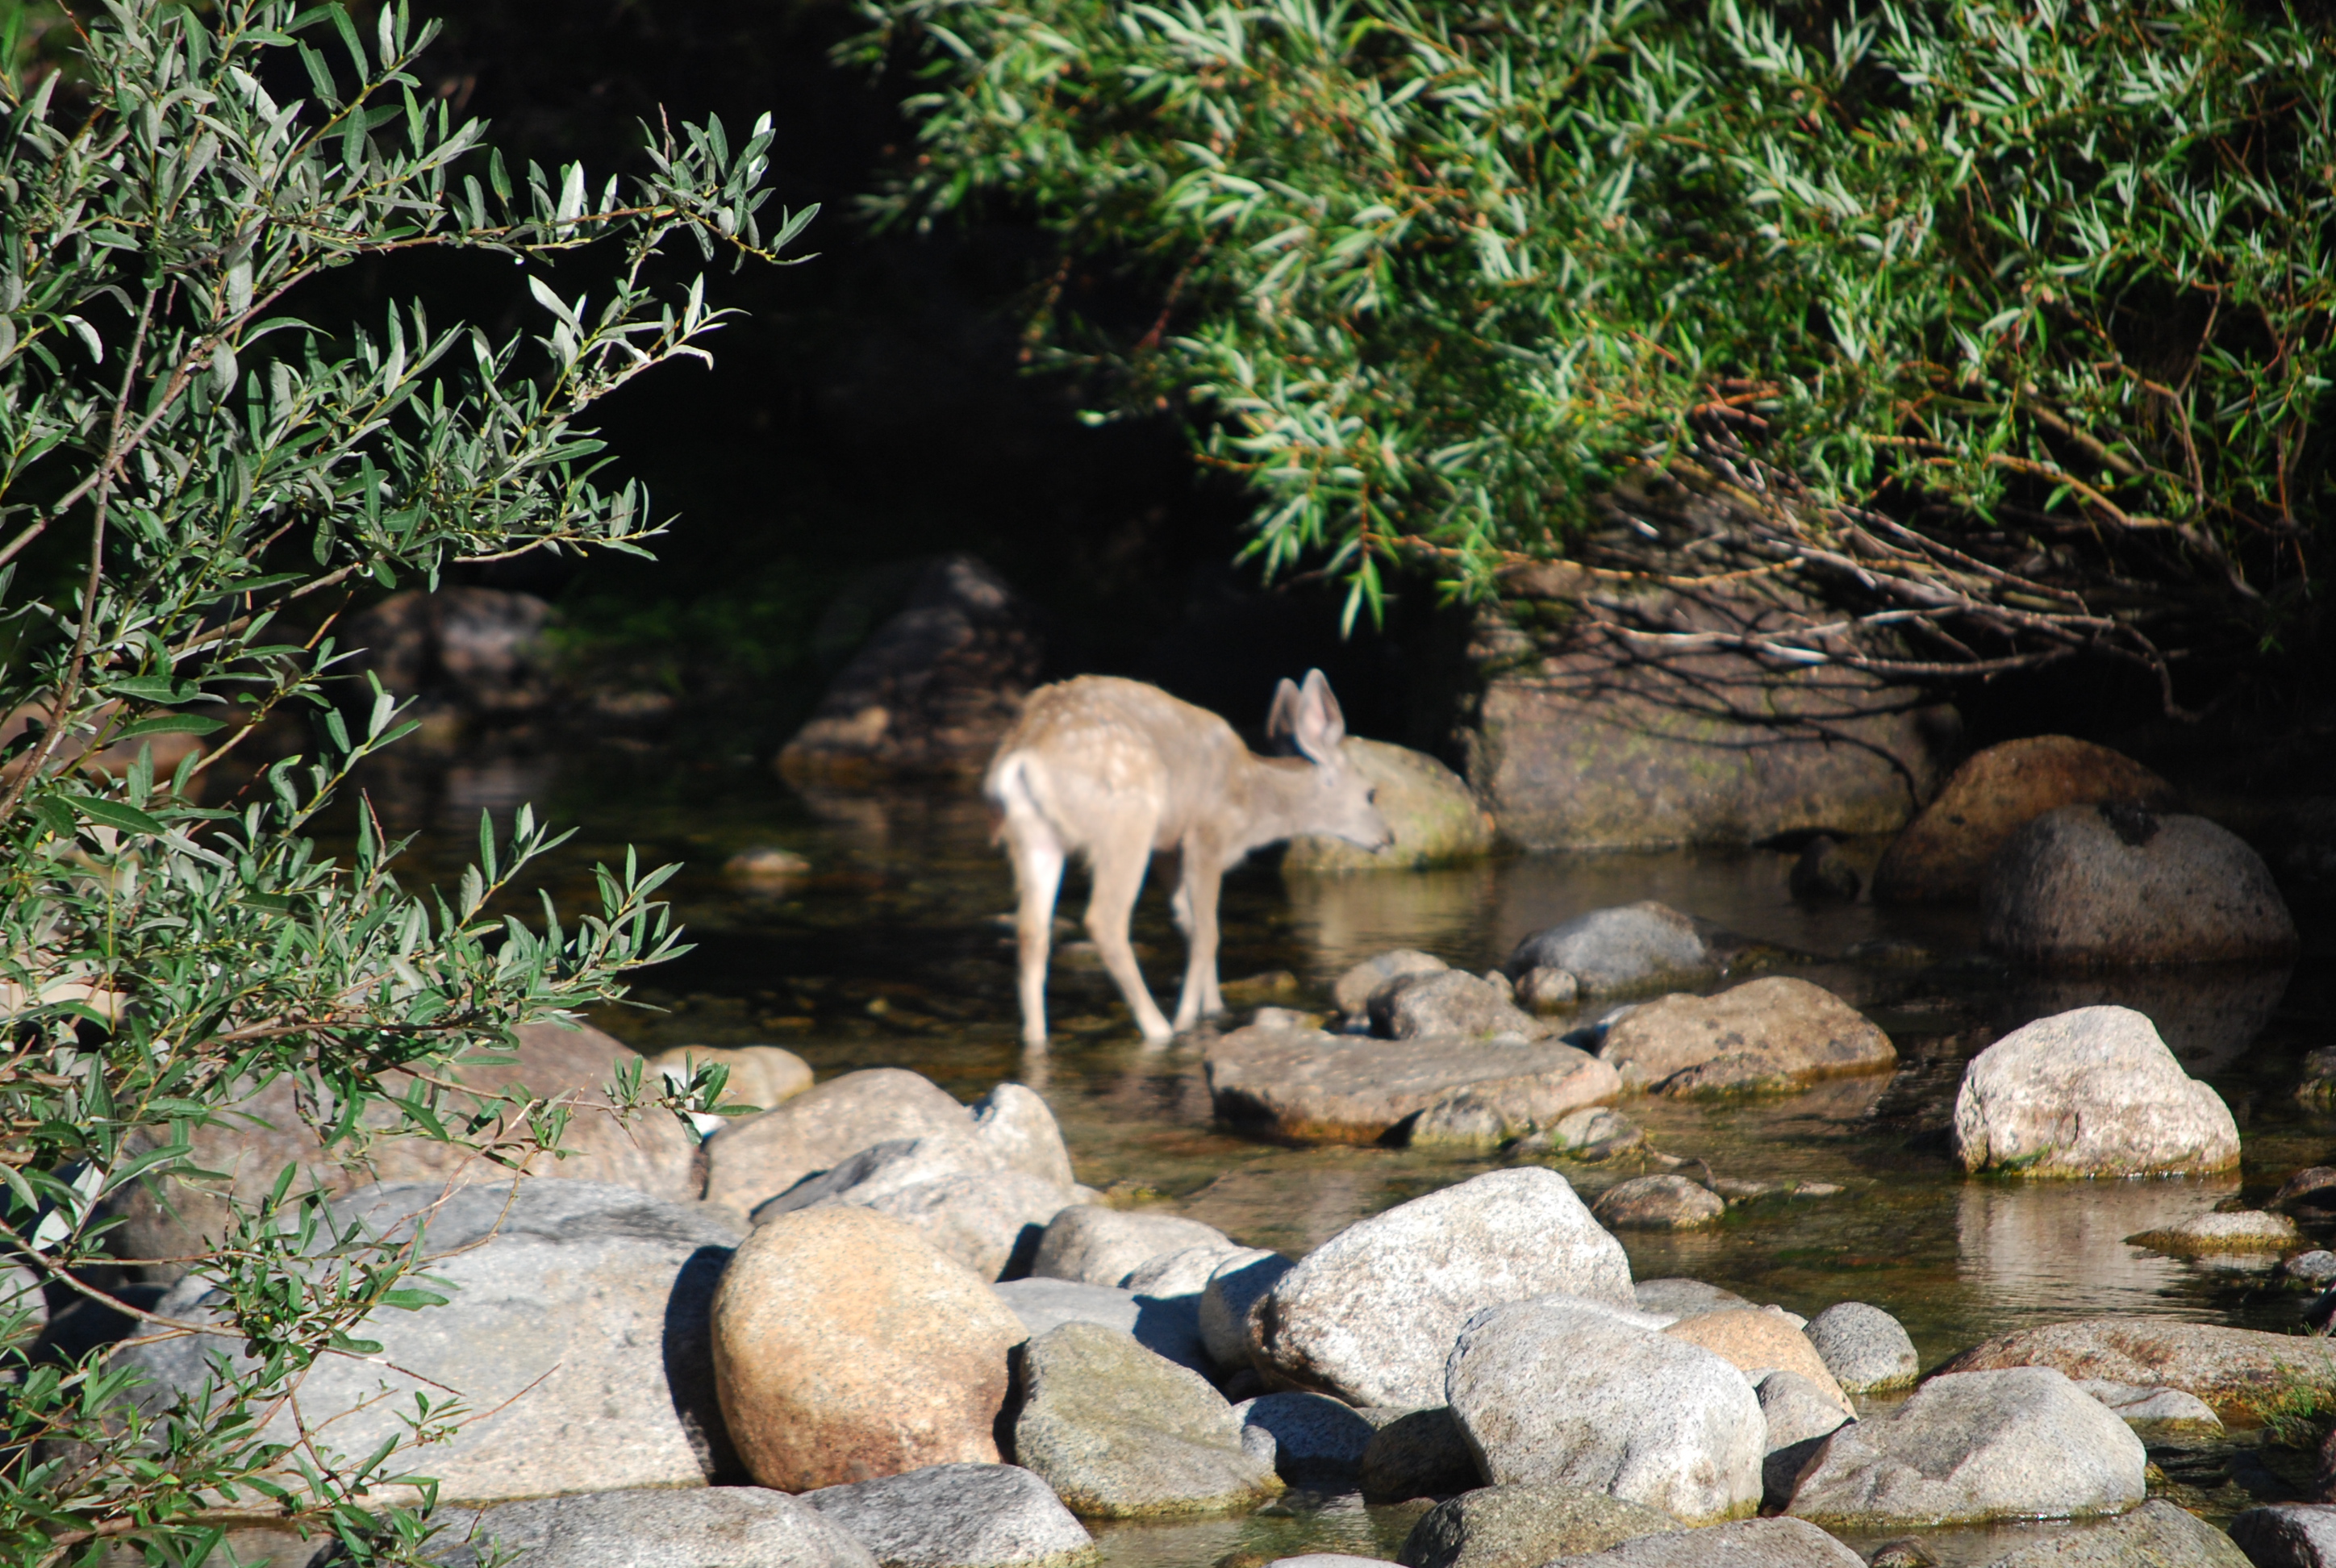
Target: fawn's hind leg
x: 1119, y: 873
x: 1037, y: 857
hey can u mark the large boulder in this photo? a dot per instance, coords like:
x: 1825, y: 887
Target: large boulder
x: 957, y: 1517
x: 846, y: 1346
x: 1371, y: 1314
x: 756, y: 1158
x: 1747, y: 1543
x: 576, y: 1325
x: 1092, y: 1245
x: 881, y: 1170
x: 1525, y: 1526
x: 1121, y: 1434
x: 1630, y: 949
x: 709, y: 1527
x: 1433, y: 814
x: 1778, y: 1033
x: 1942, y: 855
x: 2092, y: 1093
x: 2245, y: 1374
x: 1553, y: 1394
x: 1169, y: 1329
x: 1864, y: 1347
x: 2024, y: 1443
x: 2091, y: 887
x: 2287, y: 1535
x: 932, y: 691
x: 2157, y: 1534
x: 1753, y: 1339
x: 1303, y: 1084
x: 1592, y: 734
x: 254, y: 1140
x: 992, y: 1221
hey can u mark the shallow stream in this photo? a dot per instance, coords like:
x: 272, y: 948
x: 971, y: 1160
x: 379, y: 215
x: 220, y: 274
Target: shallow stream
x: 894, y: 949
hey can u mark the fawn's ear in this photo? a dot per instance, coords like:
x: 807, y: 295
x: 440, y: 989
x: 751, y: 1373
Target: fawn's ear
x: 1309, y: 716
x: 1281, y: 718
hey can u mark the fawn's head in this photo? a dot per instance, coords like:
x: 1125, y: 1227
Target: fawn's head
x: 1305, y: 720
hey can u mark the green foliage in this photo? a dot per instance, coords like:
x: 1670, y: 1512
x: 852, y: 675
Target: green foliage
x: 186, y: 468
x: 1430, y: 274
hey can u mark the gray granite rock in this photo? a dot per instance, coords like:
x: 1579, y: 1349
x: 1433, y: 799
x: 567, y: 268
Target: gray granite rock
x: 1097, y: 1246
x: 1371, y: 1314
x: 2287, y: 1535
x: 1306, y: 1436
x: 1550, y: 1394
x: 2157, y: 1534
x: 992, y: 1221
x: 1184, y: 1272
x: 1525, y: 1526
x: 2089, y: 1093
x: 1352, y: 990
x: 2156, y: 1413
x: 1637, y: 947
x: 1864, y: 1347
x: 577, y: 1323
x: 705, y: 1527
x: 1595, y: 1133
x: 1168, y: 1327
x: 957, y: 1516
x: 881, y: 1168
x: 1234, y: 1287
x: 1013, y: 1123
x: 755, y: 1158
x: 1747, y: 1543
x: 1658, y: 1202
x: 1684, y: 1297
x: 1120, y: 1433
x: 2025, y: 1442
x: 1449, y: 1002
x: 1801, y: 1416
x: 1417, y: 1453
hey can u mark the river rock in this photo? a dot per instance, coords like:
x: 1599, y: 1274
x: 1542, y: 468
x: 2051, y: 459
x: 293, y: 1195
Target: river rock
x: 1121, y: 1434
x: 1435, y: 816
x: 757, y: 1158
x: 1753, y: 1339
x: 1306, y: 1436
x: 1640, y: 946
x: 1745, y: 1543
x: 957, y: 1516
x: 2157, y: 1534
x: 2087, y: 887
x: 1303, y: 1084
x: 1595, y: 1133
x: 882, y: 1169
x: 1168, y: 1327
x: 992, y: 1221
x: 1864, y: 1347
x: 1013, y: 1123
x: 1417, y: 1453
x: 1823, y: 874
x: 1371, y: 1314
x: 1658, y: 1204
x: 2155, y: 1413
x: 2236, y: 1230
x: 577, y: 1324
x: 1448, y: 1002
x: 2287, y: 1535
x: 1801, y: 1416
x: 2092, y: 1093
x: 2311, y: 1191
x: 1777, y: 1029
x: 1235, y: 1287
x: 2242, y: 1373
x: 2024, y: 1443
x: 932, y: 691
x: 1942, y: 855
x: 1550, y: 1394
x: 255, y: 1139
x: 1525, y: 1526
x: 1682, y: 1297
x: 848, y: 1346
x: 706, y: 1527
x: 1352, y: 991
x: 1093, y: 1245
x: 1547, y: 990
x: 1185, y: 1272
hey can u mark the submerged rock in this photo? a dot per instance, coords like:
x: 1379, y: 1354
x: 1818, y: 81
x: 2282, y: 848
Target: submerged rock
x: 1864, y: 1347
x: 1525, y: 1526
x: 1554, y: 1394
x: 1658, y: 1204
x: 957, y: 1516
x: 1595, y: 1133
x: 1371, y: 1314
x: 2085, y: 887
x: 1435, y: 816
x: 1640, y: 946
x: 2157, y: 1534
x: 2238, y: 1231
x: 2242, y: 1373
x: 736, y: 1526
x: 1121, y: 1434
x: 1775, y: 1032
x: 2024, y: 1443
x: 1823, y: 874
x: 1298, y: 1083
x: 2092, y: 1093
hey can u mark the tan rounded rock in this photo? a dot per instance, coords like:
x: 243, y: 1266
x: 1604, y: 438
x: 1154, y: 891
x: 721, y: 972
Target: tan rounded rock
x: 847, y: 1346
x: 1943, y: 853
x: 760, y: 1075
x: 1776, y: 1030
x: 1754, y: 1338
x: 756, y: 1158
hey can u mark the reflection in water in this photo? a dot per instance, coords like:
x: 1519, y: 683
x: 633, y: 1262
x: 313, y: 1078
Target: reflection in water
x: 2208, y: 1016
x: 2059, y: 1247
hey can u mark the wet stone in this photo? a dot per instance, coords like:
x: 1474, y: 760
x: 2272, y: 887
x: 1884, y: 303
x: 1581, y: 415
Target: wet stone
x: 1448, y: 1002
x: 2157, y: 1534
x: 1747, y: 1543
x: 1525, y: 1526
x: 1658, y: 1204
x: 2316, y: 1268
x: 1546, y: 990
x: 1823, y: 874
x: 1632, y: 947
x: 2241, y: 1230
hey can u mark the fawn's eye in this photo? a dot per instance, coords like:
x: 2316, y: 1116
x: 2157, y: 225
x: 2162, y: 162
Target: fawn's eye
x: 1370, y: 797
